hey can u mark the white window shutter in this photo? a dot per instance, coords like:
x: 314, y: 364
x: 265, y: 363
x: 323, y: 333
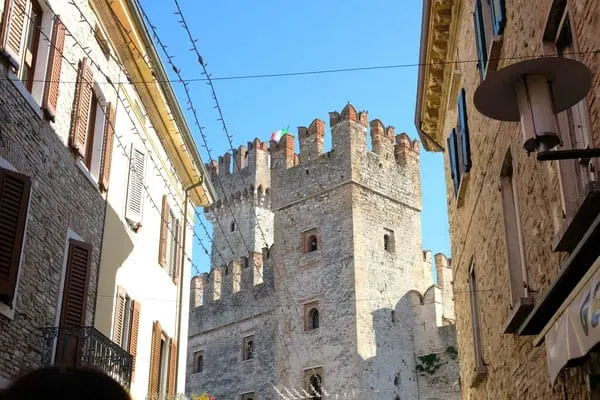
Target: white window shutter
x: 135, y: 187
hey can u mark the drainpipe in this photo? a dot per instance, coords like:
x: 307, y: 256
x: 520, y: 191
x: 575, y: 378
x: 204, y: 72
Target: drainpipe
x: 181, y: 273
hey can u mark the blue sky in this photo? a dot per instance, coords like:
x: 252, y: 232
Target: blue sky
x: 274, y: 36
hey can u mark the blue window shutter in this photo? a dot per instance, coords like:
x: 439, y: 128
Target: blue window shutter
x: 498, y: 15
x: 463, y: 131
x: 453, y: 156
x: 480, y: 38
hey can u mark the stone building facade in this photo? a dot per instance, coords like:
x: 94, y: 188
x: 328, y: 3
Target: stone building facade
x: 318, y: 278
x: 81, y: 200
x: 523, y: 230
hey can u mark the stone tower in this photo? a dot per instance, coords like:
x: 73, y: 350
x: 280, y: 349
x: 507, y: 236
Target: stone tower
x: 344, y: 297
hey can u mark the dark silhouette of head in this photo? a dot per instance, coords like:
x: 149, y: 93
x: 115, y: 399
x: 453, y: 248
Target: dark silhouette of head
x: 66, y: 384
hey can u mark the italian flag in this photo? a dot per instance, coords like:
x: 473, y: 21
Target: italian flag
x: 276, y: 136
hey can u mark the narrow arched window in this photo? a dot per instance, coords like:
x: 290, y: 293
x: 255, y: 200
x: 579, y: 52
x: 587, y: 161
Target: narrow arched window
x: 198, y: 361
x: 313, y: 318
x: 248, y: 348
x: 386, y: 242
x: 232, y: 226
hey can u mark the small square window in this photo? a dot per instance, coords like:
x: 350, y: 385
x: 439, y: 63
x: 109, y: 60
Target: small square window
x: 311, y: 316
x: 249, y: 348
x: 198, y: 361
x: 310, y: 241
x: 248, y: 396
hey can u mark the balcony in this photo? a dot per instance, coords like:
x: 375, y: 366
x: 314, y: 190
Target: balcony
x: 86, y: 347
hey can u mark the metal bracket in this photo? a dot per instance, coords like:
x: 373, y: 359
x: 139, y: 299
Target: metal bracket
x: 568, y: 154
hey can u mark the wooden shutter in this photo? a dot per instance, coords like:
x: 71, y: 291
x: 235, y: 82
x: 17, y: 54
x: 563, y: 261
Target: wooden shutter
x: 154, y: 382
x: 178, y: 252
x: 81, y: 107
x: 119, y: 317
x: 75, y: 293
x: 171, y: 389
x: 14, y: 201
x: 133, y: 337
x: 164, y: 232
x: 463, y: 123
x: 107, y: 145
x: 11, y: 31
x: 498, y: 16
x: 135, y: 190
x: 480, y: 38
x: 55, y: 59
x: 452, y: 155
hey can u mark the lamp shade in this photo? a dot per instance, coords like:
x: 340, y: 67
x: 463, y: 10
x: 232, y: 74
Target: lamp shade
x: 496, y: 96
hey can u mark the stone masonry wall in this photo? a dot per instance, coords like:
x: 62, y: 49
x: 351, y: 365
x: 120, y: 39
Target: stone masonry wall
x: 62, y: 197
x: 350, y: 198
x: 515, y: 368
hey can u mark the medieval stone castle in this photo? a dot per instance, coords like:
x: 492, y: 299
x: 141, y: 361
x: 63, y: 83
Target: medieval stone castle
x: 319, y: 287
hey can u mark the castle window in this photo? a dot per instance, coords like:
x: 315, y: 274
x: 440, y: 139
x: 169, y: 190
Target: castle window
x: 232, y: 226
x: 198, y: 362
x: 311, y: 316
x: 248, y: 348
x: 310, y: 241
x: 313, y: 382
x: 248, y: 396
x: 388, y: 240
x: 245, y: 262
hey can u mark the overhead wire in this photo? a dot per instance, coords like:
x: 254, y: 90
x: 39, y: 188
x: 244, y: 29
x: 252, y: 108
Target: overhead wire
x: 87, y: 51
x: 221, y: 119
x: 149, y: 152
x: 329, y: 71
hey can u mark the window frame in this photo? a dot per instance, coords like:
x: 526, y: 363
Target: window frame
x: 307, y: 242
x: 459, y: 149
x: 34, y: 89
x: 30, y: 43
x: 197, y: 355
x: 248, y: 348
x: 574, y: 176
x: 7, y: 308
x: 308, y: 321
x: 489, y: 21
x: 480, y: 370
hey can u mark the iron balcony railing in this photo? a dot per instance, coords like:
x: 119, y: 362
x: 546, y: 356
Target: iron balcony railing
x: 86, y: 347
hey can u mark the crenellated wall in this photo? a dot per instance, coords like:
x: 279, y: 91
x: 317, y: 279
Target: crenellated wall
x: 363, y: 204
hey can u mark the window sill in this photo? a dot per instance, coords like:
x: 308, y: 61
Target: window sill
x: 573, y: 229
x: 519, y: 313
x: 7, y: 311
x: 480, y: 374
x: 14, y: 79
x: 462, y: 189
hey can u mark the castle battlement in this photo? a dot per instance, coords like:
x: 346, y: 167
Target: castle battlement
x: 258, y: 197
x: 235, y: 279
x: 349, y: 134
